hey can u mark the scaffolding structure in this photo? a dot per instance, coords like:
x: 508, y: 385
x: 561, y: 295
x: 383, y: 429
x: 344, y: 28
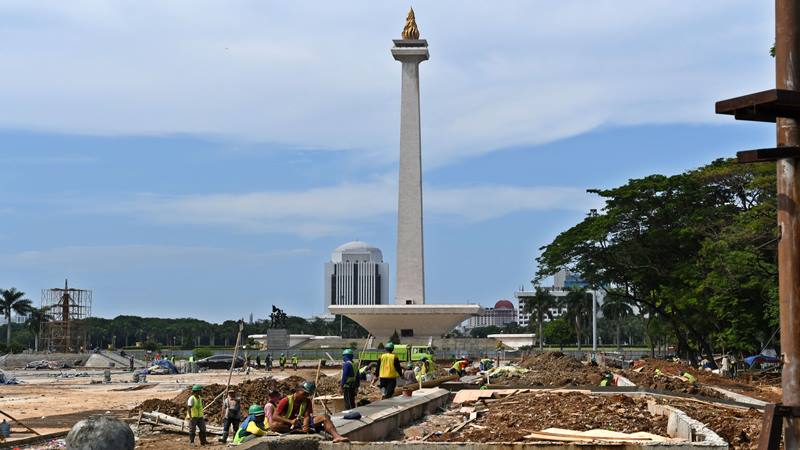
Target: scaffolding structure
x: 65, y: 331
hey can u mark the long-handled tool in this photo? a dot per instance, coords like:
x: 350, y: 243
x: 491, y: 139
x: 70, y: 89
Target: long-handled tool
x: 17, y: 421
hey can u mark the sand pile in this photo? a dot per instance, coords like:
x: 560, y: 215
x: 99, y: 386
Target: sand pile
x: 557, y: 369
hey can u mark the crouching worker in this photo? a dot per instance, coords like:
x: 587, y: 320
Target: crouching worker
x: 295, y: 414
x: 253, y: 426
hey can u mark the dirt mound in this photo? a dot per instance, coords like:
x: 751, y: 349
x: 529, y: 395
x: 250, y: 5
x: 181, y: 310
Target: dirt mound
x: 739, y: 427
x: 516, y: 417
x: 169, y: 407
x: 667, y: 382
x: 557, y: 369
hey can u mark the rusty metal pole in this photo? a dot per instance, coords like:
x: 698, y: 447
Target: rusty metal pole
x: 787, y: 74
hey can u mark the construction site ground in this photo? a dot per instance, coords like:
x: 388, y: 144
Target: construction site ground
x: 49, y: 404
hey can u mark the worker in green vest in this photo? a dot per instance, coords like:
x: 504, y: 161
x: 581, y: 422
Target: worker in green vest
x: 389, y: 372
x: 254, y: 425
x: 282, y: 361
x: 294, y: 362
x: 195, y: 415
x: 295, y: 413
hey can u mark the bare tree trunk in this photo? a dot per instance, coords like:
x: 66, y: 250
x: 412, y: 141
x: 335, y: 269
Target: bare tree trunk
x: 578, y: 331
x: 619, y: 335
x: 8, y: 331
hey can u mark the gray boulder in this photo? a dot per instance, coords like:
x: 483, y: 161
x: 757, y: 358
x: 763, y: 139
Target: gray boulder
x: 100, y: 433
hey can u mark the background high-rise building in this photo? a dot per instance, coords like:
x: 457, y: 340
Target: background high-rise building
x: 502, y: 314
x: 356, y: 275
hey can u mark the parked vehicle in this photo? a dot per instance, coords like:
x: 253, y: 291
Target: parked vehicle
x: 405, y: 353
x: 220, y: 362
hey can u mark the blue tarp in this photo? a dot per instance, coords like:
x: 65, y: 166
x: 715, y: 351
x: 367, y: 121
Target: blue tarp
x: 760, y: 359
x: 166, y: 364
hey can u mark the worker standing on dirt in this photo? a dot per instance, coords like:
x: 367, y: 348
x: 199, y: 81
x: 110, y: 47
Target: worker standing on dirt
x: 254, y: 425
x: 232, y: 405
x: 295, y: 413
x: 196, y: 416
x: 349, y: 382
x: 282, y: 361
x: 258, y: 360
x: 294, y: 362
x: 389, y: 371
x: 268, y: 362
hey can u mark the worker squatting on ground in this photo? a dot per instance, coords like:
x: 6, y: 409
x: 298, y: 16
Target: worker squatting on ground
x: 389, y: 371
x: 350, y: 379
x: 369, y: 373
x: 282, y: 361
x: 427, y: 369
x: 232, y: 405
x: 195, y: 415
x: 295, y: 413
x: 253, y: 426
x: 459, y: 367
x: 294, y: 362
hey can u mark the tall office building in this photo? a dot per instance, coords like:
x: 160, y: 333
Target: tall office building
x: 356, y: 275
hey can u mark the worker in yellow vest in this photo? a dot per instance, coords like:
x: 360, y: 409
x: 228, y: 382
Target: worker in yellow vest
x: 195, y: 415
x: 389, y: 371
x: 294, y: 362
x: 427, y: 369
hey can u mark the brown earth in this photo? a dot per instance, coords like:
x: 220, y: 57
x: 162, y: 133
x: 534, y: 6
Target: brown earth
x: 513, y: 418
x: 554, y: 369
x: 757, y: 386
x: 739, y: 427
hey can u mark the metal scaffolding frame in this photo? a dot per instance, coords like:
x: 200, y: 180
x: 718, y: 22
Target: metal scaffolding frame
x: 67, y: 307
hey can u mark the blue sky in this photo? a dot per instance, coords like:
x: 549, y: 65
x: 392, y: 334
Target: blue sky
x: 203, y: 159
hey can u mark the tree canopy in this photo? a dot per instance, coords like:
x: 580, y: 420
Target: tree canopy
x: 696, y: 250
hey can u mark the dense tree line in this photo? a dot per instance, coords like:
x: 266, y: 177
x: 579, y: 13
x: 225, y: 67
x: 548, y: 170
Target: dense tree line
x: 185, y: 333
x: 695, y: 252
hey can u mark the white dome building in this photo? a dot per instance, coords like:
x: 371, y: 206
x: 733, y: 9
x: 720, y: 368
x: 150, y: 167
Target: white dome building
x: 356, y: 275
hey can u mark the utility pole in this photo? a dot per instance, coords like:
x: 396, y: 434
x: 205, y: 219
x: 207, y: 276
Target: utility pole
x: 782, y: 106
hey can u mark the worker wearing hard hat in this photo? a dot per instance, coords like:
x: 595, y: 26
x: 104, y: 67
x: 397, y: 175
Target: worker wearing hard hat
x: 295, y: 413
x: 195, y: 415
x: 349, y: 383
x: 389, y: 371
x: 254, y: 425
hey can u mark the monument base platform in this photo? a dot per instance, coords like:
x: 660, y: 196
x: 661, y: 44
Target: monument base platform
x: 408, y: 320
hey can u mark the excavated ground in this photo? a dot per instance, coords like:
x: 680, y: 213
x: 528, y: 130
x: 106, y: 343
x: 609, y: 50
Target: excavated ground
x: 739, y: 427
x: 553, y: 369
x: 760, y: 386
x: 512, y: 418
x: 254, y: 391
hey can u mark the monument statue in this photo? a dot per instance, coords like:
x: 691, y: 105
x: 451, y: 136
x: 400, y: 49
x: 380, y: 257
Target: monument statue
x: 277, y: 319
x: 410, y: 31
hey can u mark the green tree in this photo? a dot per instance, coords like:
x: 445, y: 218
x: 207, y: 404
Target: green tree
x: 539, y: 306
x: 37, y: 317
x: 12, y: 301
x: 558, y: 331
x: 578, y: 304
x: 617, y: 307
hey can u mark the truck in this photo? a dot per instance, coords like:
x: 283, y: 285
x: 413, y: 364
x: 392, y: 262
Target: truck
x: 405, y: 353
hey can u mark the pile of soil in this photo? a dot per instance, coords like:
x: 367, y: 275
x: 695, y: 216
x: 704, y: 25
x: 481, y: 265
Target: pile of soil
x: 255, y: 391
x: 666, y: 382
x: 515, y: 417
x: 739, y: 427
x: 556, y: 369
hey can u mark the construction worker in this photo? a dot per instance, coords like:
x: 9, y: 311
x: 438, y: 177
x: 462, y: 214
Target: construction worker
x: 459, y: 367
x: 195, y: 415
x: 294, y: 362
x: 268, y: 362
x: 349, y: 383
x: 253, y: 426
x: 295, y: 413
x: 389, y: 371
x: 232, y: 405
x: 427, y: 369
x: 282, y: 361
x: 608, y: 380
x: 486, y: 364
x: 689, y: 377
x: 367, y: 373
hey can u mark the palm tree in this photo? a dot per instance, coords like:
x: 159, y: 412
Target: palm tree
x: 11, y: 301
x: 36, y: 318
x: 617, y: 307
x: 539, y: 306
x: 578, y: 303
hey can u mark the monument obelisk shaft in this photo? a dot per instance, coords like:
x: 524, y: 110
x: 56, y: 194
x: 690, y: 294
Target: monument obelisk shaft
x: 410, y: 51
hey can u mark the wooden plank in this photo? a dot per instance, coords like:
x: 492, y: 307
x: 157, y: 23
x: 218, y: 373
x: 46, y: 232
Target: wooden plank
x: 771, y: 428
x: 767, y: 154
x: 764, y: 106
x: 17, y: 421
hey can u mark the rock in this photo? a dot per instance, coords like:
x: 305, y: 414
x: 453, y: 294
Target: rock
x: 100, y: 433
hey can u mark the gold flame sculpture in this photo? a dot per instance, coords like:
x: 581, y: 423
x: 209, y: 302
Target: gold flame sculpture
x: 410, y: 31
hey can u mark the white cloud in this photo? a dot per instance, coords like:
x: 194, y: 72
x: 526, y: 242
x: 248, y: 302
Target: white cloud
x: 319, y: 74
x: 340, y: 209
x: 116, y: 258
